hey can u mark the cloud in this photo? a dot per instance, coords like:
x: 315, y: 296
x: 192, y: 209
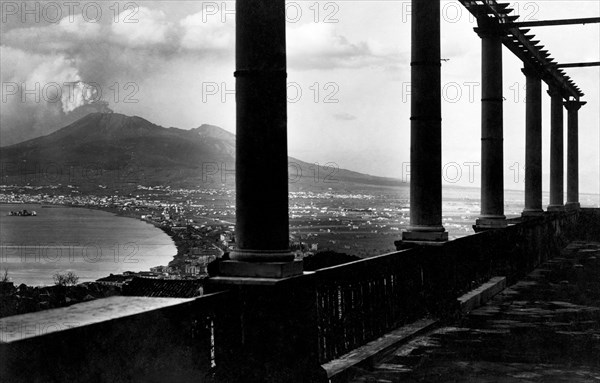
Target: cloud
x: 34, y: 79
x: 125, y: 55
x: 344, y: 116
x: 61, y: 58
x: 79, y: 28
x: 75, y: 52
x: 40, y: 93
x: 77, y: 94
x: 202, y: 33
x: 145, y: 27
x: 320, y: 46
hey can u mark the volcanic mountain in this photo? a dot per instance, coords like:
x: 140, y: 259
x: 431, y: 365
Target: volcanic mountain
x: 117, y: 151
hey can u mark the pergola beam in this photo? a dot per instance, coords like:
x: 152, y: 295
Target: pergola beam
x: 546, y: 23
x: 577, y: 65
x: 492, y: 15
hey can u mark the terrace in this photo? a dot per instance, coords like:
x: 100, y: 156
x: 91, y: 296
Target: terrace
x: 262, y: 318
x: 300, y: 328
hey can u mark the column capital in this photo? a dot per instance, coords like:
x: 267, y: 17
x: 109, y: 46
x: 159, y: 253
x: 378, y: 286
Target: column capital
x: 530, y: 71
x: 574, y: 105
x: 554, y: 91
x: 484, y: 31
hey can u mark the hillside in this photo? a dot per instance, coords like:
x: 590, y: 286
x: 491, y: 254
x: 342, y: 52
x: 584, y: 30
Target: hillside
x: 119, y: 151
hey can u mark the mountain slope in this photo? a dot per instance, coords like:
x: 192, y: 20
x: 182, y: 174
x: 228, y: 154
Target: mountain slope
x: 117, y: 150
x: 112, y: 140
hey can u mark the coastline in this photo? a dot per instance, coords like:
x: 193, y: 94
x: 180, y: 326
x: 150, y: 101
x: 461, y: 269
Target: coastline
x: 179, y: 243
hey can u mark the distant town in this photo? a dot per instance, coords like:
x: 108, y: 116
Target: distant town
x: 201, y: 221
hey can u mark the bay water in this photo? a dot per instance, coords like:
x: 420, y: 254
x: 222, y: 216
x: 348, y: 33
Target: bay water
x: 90, y: 243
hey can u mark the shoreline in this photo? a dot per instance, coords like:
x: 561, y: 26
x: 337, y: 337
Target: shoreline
x: 179, y: 243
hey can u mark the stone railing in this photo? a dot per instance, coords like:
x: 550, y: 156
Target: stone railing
x: 360, y: 301
x: 117, y: 339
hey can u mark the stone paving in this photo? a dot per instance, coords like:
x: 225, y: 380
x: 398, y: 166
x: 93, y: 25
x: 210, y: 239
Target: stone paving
x: 545, y: 328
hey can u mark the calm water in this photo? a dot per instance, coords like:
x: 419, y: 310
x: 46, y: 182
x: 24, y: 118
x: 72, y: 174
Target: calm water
x: 91, y: 243
x: 461, y: 207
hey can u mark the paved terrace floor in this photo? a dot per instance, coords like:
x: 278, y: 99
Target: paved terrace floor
x: 545, y: 328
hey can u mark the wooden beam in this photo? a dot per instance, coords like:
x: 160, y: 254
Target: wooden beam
x: 577, y: 65
x: 489, y: 15
x: 545, y: 23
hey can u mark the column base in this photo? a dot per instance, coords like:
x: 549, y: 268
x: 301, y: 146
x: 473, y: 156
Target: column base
x: 272, y: 324
x: 276, y: 270
x: 572, y: 206
x: 555, y: 208
x: 261, y: 255
x: 425, y: 236
x: 415, y: 238
x: 532, y: 213
x: 490, y: 223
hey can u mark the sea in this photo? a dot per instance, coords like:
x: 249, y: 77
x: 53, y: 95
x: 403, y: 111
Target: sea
x: 461, y: 207
x: 90, y: 243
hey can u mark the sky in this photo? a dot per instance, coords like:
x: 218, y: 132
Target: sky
x: 172, y: 62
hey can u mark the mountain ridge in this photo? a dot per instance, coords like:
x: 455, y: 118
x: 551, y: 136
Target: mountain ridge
x: 111, y: 142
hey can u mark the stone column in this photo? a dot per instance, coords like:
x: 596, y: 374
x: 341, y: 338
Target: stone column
x: 262, y: 223
x: 270, y: 303
x: 492, y: 157
x: 556, y: 151
x: 533, y: 143
x: 573, y: 153
x: 425, y: 125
